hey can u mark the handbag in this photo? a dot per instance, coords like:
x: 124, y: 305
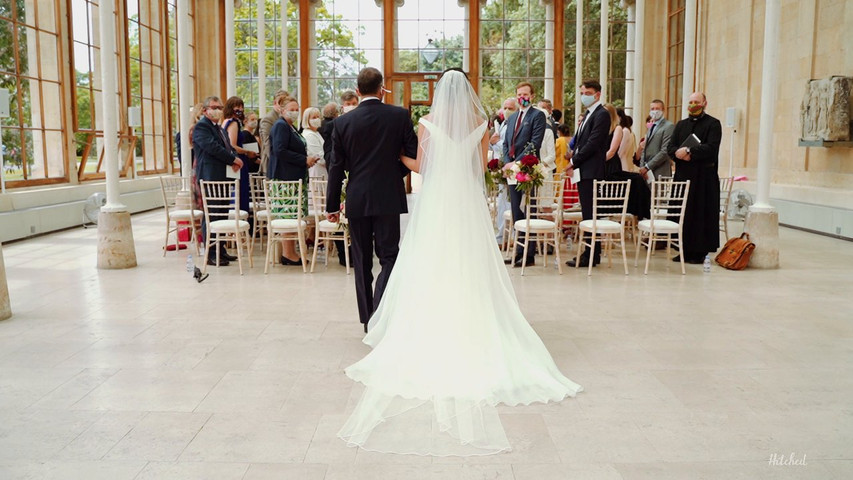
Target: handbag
x: 736, y: 253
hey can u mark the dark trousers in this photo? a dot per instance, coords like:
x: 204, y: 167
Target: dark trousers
x: 515, y: 199
x: 367, y: 233
x: 585, y: 194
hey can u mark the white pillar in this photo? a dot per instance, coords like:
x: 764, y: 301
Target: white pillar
x: 262, y: 59
x: 549, y: 50
x: 639, y: 44
x: 689, y: 81
x: 604, y: 48
x: 185, y: 86
x: 115, y: 235
x: 762, y: 223
x: 578, y: 56
x: 466, y: 52
x: 230, y: 58
x: 5, y: 303
x: 284, y: 47
x: 629, y: 59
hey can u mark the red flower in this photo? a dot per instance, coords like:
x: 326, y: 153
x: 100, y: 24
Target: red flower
x: 494, y: 164
x: 529, y: 160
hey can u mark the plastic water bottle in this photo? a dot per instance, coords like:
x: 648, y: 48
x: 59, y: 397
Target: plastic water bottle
x: 190, y: 264
x: 706, y: 265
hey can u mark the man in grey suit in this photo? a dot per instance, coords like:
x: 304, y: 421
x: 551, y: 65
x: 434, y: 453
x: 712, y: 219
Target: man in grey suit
x: 651, y: 154
x: 266, y: 126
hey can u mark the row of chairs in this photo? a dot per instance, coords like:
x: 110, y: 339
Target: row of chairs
x: 277, y: 209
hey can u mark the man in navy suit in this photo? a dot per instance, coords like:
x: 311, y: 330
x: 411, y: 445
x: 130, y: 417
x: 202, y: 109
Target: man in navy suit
x: 214, y: 155
x: 525, y: 126
x: 368, y: 143
x: 590, y: 151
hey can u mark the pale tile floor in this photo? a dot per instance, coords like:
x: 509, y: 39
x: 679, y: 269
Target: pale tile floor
x: 144, y: 374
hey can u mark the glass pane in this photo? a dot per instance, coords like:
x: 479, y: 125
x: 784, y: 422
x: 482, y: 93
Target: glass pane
x: 453, y: 58
x: 55, y: 154
x: 12, y: 154
x: 7, y: 58
x: 48, y: 56
x: 492, y: 34
x: 493, y: 63
x: 407, y: 60
x: 536, y: 35
x: 84, y: 109
x: 47, y: 16
x: 420, y: 91
x: 6, y: 9
x: 35, y: 154
x: 26, y: 45
x: 51, y: 104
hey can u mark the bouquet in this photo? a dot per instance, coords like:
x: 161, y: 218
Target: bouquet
x: 494, y: 173
x: 527, y: 170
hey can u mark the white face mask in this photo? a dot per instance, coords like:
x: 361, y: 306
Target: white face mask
x: 656, y: 115
x: 315, y: 122
x: 348, y: 108
x: 587, y: 100
x: 251, y: 125
x: 214, y: 115
x: 292, y: 115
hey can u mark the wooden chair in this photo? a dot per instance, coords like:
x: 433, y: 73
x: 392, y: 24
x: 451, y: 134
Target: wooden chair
x: 259, y: 209
x: 179, y: 214
x: 327, y: 231
x: 543, y: 222
x: 286, y: 220
x: 222, y: 225
x: 726, y: 184
x: 666, y: 222
x: 609, y: 205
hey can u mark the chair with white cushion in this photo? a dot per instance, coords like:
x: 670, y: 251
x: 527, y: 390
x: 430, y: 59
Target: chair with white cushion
x: 725, y: 197
x: 286, y: 220
x: 259, y: 209
x: 222, y: 225
x: 543, y: 222
x: 327, y: 231
x: 609, y: 205
x: 666, y: 221
x: 179, y: 211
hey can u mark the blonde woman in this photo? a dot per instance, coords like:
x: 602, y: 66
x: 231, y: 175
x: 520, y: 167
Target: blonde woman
x: 311, y: 120
x: 612, y: 164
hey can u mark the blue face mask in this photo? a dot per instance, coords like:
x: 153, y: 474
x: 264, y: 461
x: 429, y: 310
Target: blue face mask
x: 587, y: 100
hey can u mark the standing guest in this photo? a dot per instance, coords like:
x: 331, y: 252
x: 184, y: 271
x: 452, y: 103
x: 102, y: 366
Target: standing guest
x: 699, y: 165
x: 526, y: 126
x: 234, y: 115
x: 214, y: 155
x: 248, y: 135
x: 612, y: 164
x: 652, y: 152
x: 349, y: 100
x: 590, y: 150
x: 330, y: 113
x: 368, y: 143
x: 629, y: 142
x: 557, y: 116
x: 548, y: 108
x: 315, y: 144
x: 548, y: 152
x: 497, y: 141
x: 289, y: 160
x: 561, y: 147
x: 266, y: 126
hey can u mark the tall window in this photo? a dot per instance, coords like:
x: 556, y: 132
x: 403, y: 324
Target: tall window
x: 33, y: 139
x: 345, y: 36
x: 147, y: 67
x: 246, y: 50
x: 675, y: 59
x: 432, y: 35
x: 512, y: 42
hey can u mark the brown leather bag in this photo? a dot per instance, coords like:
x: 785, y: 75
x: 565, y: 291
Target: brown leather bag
x: 736, y: 252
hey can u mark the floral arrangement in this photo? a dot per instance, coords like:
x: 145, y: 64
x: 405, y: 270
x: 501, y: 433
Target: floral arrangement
x: 527, y: 172
x: 494, y: 173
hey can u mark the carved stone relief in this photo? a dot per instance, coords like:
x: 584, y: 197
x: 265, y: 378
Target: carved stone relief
x: 827, y: 110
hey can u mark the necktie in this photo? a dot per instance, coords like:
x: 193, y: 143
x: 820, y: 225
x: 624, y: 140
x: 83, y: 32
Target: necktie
x: 514, y: 135
x: 649, y: 136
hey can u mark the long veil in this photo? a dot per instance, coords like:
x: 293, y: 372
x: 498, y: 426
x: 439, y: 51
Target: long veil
x: 449, y: 340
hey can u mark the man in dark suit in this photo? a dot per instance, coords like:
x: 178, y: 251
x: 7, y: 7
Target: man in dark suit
x: 213, y: 155
x: 589, y: 154
x: 368, y: 143
x: 526, y: 126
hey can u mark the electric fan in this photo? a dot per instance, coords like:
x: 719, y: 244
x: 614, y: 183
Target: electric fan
x: 92, y: 207
x: 739, y: 204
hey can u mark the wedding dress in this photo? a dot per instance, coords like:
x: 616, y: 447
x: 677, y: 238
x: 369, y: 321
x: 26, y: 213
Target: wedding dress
x: 449, y: 340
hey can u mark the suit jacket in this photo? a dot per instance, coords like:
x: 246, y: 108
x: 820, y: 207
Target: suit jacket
x: 288, y: 154
x: 264, y: 129
x: 326, y: 128
x: 591, y: 145
x: 655, y: 156
x: 367, y: 142
x: 532, y: 130
x: 212, y: 149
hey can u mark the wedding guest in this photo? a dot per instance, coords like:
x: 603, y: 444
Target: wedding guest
x: 629, y: 143
x: 612, y: 164
x: 233, y: 115
x: 330, y: 113
x: 266, y: 125
x: 315, y: 143
x: 248, y: 135
x: 562, y: 146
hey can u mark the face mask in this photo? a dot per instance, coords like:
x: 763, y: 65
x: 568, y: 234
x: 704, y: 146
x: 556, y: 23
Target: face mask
x: 292, y: 115
x: 348, y: 108
x: 239, y: 114
x: 214, y: 115
x: 524, y: 101
x: 587, y: 100
x: 649, y: 124
x: 695, y: 110
x: 656, y: 115
x: 314, y: 122
x: 251, y: 125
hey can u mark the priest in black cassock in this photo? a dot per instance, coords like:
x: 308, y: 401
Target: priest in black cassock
x: 699, y: 165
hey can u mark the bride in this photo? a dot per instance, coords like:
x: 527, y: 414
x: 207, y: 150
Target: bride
x: 449, y: 340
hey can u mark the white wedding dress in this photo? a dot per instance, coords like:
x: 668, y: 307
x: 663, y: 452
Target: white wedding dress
x: 449, y: 340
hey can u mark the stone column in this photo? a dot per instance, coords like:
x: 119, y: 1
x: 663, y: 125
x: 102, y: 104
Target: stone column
x: 5, y: 304
x: 762, y: 223
x: 578, y: 58
x: 185, y: 86
x: 689, y: 79
x: 230, y: 58
x: 604, y: 48
x: 639, y: 47
x: 262, y: 58
x: 115, y: 234
x: 549, y: 50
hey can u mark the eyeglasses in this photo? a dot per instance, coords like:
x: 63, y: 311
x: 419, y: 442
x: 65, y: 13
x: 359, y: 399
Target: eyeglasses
x: 215, y: 107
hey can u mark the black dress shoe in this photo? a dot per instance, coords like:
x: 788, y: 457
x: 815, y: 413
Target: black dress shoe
x: 223, y: 262
x: 584, y: 262
x: 224, y: 254
x: 530, y: 262
x: 694, y: 260
x: 343, y: 262
x: 287, y: 261
x: 365, y: 327
x: 677, y: 258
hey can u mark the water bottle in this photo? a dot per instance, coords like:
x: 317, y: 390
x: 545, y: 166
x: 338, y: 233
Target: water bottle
x: 706, y: 265
x: 190, y: 264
